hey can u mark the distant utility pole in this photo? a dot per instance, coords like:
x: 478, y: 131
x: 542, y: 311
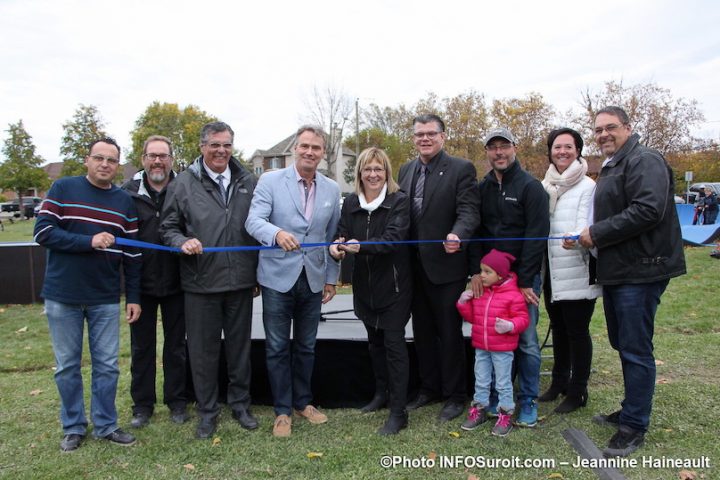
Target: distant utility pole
x: 357, y: 128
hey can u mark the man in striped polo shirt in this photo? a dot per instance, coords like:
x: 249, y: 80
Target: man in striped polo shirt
x: 78, y: 223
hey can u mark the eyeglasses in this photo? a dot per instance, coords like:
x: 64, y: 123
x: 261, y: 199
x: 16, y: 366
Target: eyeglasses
x: 503, y: 147
x: 102, y: 158
x: 217, y: 146
x: 368, y: 171
x: 429, y: 135
x: 612, y: 128
x: 157, y: 156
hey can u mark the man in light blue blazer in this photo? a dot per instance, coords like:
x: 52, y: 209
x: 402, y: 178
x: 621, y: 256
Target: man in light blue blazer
x: 293, y: 206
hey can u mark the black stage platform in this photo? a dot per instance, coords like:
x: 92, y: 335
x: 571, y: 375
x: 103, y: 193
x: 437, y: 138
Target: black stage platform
x: 343, y: 375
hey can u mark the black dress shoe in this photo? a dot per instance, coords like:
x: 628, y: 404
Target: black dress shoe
x: 140, y: 420
x: 609, y: 420
x: 450, y: 410
x: 552, y: 393
x: 625, y: 441
x: 206, y: 427
x: 118, y: 437
x: 245, y: 419
x: 572, y: 403
x: 420, y: 401
x: 394, y: 423
x: 379, y: 401
x: 179, y: 415
x: 71, y: 442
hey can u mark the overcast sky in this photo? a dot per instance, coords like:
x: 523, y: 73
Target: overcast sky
x: 254, y: 64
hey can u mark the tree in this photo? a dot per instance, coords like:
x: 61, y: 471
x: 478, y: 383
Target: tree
x: 85, y: 127
x: 21, y: 169
x: 663, y: 122
x: 181, y: 125
x: 530, y: 120
x: 330, y: 108
x: 466, y: 117
x: 397, y: 150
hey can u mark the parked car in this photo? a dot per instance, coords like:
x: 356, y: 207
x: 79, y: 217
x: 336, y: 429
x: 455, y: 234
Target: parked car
x: 28, y: 206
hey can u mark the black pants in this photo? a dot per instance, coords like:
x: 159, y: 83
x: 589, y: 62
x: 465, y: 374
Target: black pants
x: 143, y: 334
x: 437, y: 328
x: 210, y: 317
x: 389, y: 357
x: 572, y: 345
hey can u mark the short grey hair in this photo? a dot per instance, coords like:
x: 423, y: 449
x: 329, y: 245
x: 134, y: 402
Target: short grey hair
x: 317, y: 130
x: 215, y: 127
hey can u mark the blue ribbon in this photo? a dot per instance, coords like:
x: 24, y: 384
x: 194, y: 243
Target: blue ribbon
x: 139, y: 244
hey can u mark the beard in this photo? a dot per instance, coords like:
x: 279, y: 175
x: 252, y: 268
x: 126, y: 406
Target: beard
x: 157, y: 177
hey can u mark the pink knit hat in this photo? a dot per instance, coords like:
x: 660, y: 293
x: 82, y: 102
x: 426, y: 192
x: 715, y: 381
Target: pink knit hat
x: 499, y: 261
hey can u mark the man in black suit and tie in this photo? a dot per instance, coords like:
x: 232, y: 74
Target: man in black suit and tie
x: 445, y: 205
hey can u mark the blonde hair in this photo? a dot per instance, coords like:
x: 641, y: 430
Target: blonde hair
x: 367, y: 156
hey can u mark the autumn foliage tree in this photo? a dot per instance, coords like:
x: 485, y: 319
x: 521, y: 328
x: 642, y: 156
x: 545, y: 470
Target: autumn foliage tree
x: 181, y: 125
x: 21, y: 169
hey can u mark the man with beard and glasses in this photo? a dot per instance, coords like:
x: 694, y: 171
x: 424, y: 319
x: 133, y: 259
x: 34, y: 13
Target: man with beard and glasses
x: 514, y: 205
x: 160, y: 286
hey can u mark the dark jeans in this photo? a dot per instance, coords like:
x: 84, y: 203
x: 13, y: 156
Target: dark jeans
x: 439, y: 343
x: 630, y: 316
x: 290, y: 363
x: 210, y: 317
x: 143, y: 334
x: 572, y: 344
x: 389, y: 357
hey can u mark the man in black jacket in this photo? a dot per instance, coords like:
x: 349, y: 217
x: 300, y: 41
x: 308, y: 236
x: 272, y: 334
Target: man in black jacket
x: 514, y: 205
x: 444, y: 206
x: 207, y: 206
x: 636, y: 232
x: 160, y: 288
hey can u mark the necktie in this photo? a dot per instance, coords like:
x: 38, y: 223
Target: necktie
x: 419, y: 192
x: 223, y: 190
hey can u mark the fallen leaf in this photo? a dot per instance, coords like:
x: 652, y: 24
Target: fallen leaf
x: 659, y: 362
x: 687, y: 475
x: 662, y: 381
x: 605, y: 372
x: 432, y: 455
x: 472, y: 477
x: 216, y: 441
x: 455, y: 434
x: 2, y: 310
x: 22, y: 330
x: 668, y: 430
x: 35, y: 392
x: 314, y: 455
x: 189, y: 467
x: 555, y: 475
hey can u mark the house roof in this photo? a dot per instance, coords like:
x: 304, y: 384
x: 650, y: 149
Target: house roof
x: 282, y: 148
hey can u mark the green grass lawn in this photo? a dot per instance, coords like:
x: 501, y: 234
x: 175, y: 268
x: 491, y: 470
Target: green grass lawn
x: 684, y: 424
x: 17, y: 231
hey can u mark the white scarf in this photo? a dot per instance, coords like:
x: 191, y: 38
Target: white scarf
x: 372, y: 206
x: 556, y: 183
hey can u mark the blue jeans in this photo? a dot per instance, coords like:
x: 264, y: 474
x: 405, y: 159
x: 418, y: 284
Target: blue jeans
x: 527, y: 355
x: 289, y: 366
x: 66, y: 324
x: 630, y: 317
x: 499, y: 363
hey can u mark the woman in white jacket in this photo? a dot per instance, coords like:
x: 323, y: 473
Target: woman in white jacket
x: 570, y: 292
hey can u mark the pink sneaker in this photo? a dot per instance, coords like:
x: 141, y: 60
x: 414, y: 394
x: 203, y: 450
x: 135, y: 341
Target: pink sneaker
x: 504, y: 423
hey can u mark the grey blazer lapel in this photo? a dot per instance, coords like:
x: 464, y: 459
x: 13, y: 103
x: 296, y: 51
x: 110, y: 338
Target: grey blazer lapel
x: 292, y: 188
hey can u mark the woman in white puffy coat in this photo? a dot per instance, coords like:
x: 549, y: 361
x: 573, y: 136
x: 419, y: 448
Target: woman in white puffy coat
x: 569, y: 288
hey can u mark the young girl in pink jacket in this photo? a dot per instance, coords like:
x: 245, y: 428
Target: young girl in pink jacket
x: 498, y: 317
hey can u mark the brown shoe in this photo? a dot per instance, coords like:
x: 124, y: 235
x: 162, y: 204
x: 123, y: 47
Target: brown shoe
x: 282, y: 426
x: 312, y: 414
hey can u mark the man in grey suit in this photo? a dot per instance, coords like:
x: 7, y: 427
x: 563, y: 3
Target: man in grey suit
x: 291, y: 206
x: 445, y: 205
